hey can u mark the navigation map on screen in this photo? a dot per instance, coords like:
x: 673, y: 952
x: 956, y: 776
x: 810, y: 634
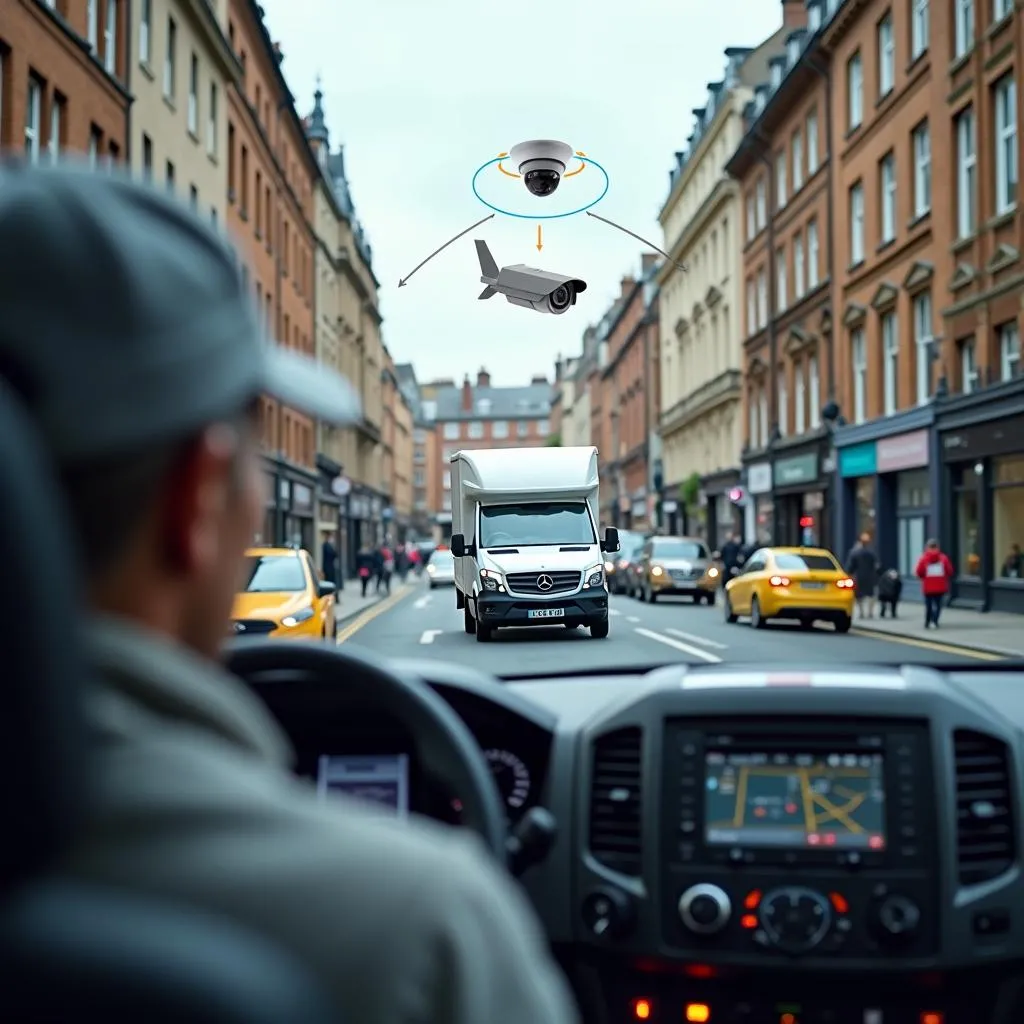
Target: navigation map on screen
x: 377, y: 779
x: 794, y: 801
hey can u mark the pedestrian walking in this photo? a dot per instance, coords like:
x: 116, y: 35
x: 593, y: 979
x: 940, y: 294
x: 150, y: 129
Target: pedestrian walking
x: 863, y: 567
x: 364, y: 567
x: 934, y: 570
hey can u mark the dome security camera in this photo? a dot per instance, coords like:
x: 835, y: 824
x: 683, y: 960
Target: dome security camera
x: 541, y: 162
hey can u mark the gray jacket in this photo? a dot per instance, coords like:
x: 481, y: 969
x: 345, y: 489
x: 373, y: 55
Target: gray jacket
x: 404, y: 922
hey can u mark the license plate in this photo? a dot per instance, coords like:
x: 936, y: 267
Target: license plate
x: 813, y: 586
x: 546, y: 613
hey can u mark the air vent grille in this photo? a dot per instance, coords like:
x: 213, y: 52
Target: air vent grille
x: 986, y: 843
x: 615, y: 803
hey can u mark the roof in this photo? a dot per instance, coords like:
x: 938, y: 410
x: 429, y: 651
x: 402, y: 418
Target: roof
x: 569, y: 472
x: 529, y: 402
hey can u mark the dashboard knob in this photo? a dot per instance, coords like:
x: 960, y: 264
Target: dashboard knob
x: 608, y: 913
x: 705, y: 909
x: 896, y: 919
x: 794, y: 918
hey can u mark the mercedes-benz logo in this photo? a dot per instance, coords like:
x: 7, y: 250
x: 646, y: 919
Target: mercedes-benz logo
x: 545, y: 582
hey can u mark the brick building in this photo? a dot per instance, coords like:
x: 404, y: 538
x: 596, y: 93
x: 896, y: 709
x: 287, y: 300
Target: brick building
x: 63, y: 73
x: 271, y: 175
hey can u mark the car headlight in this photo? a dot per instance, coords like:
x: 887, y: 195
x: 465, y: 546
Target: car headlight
x: 712, y: 573
x: 302, y: 615
x: 491, y: 580
x: 609, y: 567
x: 594, y: 576
x: 656, y: 570
x: 431, y: 569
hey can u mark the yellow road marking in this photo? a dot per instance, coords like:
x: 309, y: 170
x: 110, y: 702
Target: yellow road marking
x: 932, y: 645
x: 347, y: 632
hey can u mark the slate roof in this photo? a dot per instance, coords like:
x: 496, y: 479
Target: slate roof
x: 530, y: 402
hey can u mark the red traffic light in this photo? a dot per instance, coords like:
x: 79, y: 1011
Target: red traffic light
x: 736, y: 494
x: 806, y: 521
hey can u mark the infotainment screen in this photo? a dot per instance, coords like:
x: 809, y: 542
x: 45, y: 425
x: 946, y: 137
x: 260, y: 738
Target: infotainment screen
x: 794, y: 800
x: 379, y: 779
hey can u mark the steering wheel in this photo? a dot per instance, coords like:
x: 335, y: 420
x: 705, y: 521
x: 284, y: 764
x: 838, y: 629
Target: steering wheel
x: 442, y: 738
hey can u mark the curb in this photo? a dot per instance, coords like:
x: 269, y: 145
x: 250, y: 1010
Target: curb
x: 883, y: 634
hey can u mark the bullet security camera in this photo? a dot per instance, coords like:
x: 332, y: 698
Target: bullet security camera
x: 541, y: 164
x: 539, y: 290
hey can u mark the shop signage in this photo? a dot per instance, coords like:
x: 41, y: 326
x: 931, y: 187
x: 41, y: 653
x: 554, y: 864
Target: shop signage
x: 905, y: 451
x: 858, y: 460
x: 759, y: 478
x: 1000, y: 437
x: 670, y: 506
x: 800, y: 469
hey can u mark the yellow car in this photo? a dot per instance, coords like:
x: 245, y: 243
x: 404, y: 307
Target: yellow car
x: 284, y: 597
x: 806, y: 584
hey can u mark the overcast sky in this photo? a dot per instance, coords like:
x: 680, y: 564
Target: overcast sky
x: 422, y: 93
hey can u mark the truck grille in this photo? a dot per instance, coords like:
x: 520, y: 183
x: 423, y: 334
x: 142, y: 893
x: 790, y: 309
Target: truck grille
x: 529, y: 582
x: 253, y: 627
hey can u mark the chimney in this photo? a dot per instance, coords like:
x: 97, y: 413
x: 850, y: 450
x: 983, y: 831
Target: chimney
x: 794, y: 14
x: 539, y: 378
x: 648, y: 260
x: 278, y: 53
x: 483, y: 378
x: 467, y: 395
x: 627, y: 286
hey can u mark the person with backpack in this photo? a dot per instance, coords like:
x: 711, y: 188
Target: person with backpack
x: 934, y: 570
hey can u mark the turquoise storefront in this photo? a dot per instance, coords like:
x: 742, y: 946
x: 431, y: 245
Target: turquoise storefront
x: 858, y: 465
x: 858, y: 460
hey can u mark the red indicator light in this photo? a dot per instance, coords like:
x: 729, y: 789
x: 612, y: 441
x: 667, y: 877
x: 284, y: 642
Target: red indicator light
x: 752, y: 899
x: 748, y: 921
x: 806, y: 521
x: 839, y: 902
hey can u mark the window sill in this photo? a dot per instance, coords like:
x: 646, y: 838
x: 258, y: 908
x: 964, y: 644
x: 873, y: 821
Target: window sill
x: 193, y: 136
x: 886, y: 243
x: 147, y: 70
x: 918, y: 219
x: 169, y: 103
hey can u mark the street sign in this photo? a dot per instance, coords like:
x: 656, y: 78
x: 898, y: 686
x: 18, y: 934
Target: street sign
x: 341, y: 486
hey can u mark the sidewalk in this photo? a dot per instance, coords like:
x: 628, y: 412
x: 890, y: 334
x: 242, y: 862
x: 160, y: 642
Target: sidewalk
x: 351, y: 603
x: 996, y: 632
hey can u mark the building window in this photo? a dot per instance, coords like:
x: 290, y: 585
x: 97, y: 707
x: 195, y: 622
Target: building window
x: 56, y: 128
x: 193, y: 197
x: 92, y: 23
x: 751, y: 221
x: 799, y: 400
x: 1008, y: 516
x: 751, y: 309
x: 922, y: 139
x: 543, y: 428
x: 170, y: 176
x: 451, y: 431
x: 798, y: 267
x: 145, y: 31
x: 211, y: 121
x: 963, y: 32
x: 854, y: 92
x: 923, y: 343
x: 887, y: 173
x: 968, y: 555
x: 812, y: 143
x: 1009, y: 350
x: 890, y: 363
x: 812, y: 254
x: 476, y: 430
x: 780, y: 180
x: 1001, y: 9
x: 968, y: 367
x: 783, y: 400
x: 913, y: 503
x: 110, y: 38
x: 814, y: 389
x: 761, y: 198
x: 798, y: 161
x: 966, y: 174
x: 95, y: 140
x: 522, y: 429
x: 762, y: 416
x: 859, y: 360
x: 857, y: 224
x: 193, y: 96
x: 499, y: 429
x: 762, y: 299
x: 918, y: 28
x: 886, y: 56
x: 33, y: 119
x: 147, y: 157
x: 1006, y: 144
x: 446, y: 480
x: 169, y: 59
x: 781, y: 290
x: 752, y: 438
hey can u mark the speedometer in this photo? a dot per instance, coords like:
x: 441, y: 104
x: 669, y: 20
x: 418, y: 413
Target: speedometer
x: 511, y: 775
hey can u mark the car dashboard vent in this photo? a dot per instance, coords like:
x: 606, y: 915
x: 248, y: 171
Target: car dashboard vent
x: 985, y: 837
x: 615, y: 804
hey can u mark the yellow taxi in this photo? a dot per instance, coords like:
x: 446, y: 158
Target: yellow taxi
x: 284, y: 597
x: 806, y: 584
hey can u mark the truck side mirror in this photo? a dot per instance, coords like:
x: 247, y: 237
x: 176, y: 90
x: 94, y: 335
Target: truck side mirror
x: 610, y: 543
x: 458, y: 545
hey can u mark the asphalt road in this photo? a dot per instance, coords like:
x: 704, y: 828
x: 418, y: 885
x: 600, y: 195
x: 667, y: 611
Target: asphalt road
x: 417, y: 622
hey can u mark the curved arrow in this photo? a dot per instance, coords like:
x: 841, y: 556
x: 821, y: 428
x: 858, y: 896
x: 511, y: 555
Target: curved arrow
x: 402, y: 282
x: 572, y: 174
x: 639, y: 238
x: 509, y: 173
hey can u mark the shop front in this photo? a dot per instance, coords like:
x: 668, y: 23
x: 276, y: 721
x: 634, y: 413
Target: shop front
x: 724, y: 516
x: 885, y: 488
x: 670, y: 518
x: 299, y: 516
x: 267, y: 534
x: 800, y: 493
x: 983, y: 476
x: 759, y: 513
x: 357, y: 528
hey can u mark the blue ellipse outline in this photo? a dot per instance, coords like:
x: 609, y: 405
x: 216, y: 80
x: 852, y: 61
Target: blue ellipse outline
x: 545, y: 216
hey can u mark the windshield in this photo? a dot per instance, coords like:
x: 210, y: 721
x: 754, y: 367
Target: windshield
x: 535, y: 524
x: 273, y: 574
x: 679, y: 549
x: 806, y: 563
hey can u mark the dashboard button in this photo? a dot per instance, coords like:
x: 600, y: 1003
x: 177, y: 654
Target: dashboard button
x: 796, y: 919
x: 608, y: 913
x: 704, y: 909
x: 991, y: 922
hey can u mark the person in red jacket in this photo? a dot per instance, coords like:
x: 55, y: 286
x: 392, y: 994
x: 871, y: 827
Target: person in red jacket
x: 934, y: 570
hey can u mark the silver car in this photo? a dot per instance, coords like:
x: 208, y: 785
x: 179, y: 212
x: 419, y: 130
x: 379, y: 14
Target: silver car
x: 441, y: 569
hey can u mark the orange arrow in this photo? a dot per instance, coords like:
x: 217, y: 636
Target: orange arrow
x: 503, y: 171
x: 540, y: 238
x: 577, y: 171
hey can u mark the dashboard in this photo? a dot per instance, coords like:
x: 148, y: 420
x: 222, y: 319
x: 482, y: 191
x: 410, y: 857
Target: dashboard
x: 834, y: 846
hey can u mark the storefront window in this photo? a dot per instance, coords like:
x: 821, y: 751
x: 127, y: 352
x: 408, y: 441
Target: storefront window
x: 968, y: 553
x: 765, y: 521
x: 913, y: 503
x: 910, y: 543
x: 1008, y: 516
x: 866, y: 505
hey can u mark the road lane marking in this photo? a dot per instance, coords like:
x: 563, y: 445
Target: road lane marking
x: 422, y: 602
x: 633, y: 618
x: 930, y: 645
x: 429, y: 634
x: 694, y: 652
x: 370, y: 614
x: 702, y: 641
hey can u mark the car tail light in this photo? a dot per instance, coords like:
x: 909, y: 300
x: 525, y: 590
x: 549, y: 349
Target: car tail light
x: 779, y: 581
x: 845, y: 583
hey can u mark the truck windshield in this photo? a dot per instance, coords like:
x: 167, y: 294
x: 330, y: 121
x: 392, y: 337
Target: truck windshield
x: 534, y: 525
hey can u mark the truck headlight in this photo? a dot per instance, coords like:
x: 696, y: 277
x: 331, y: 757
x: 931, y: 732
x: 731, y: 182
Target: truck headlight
x: 491, y: 580
x: 594, y: 576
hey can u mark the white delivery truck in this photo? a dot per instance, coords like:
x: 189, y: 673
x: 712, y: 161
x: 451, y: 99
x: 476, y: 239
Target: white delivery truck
x: 525, y: 539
